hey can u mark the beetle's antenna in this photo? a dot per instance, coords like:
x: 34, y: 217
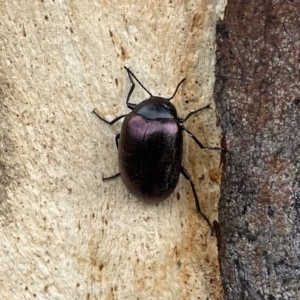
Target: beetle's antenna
x: 131, y: 74
x: 169, y: 99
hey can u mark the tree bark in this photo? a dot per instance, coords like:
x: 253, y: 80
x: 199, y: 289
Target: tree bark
x: 257, y: 92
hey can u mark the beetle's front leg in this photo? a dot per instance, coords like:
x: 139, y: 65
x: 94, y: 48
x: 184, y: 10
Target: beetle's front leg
x: 130, y: 105
x: 108, y: 122
x: 198, y: 142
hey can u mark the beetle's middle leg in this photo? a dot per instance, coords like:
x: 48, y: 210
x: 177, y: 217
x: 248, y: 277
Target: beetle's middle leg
x: 117, y: 138
x: 187, y: 176
x: 192, y: 113
x: 110, y: 177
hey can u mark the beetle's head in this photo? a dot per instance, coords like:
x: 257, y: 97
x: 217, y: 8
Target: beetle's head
x: 156, y: 108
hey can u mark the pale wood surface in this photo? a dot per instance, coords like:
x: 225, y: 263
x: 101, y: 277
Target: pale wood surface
x: 64, y: 233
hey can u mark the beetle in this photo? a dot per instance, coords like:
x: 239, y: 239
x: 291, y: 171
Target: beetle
x: 150, y: 147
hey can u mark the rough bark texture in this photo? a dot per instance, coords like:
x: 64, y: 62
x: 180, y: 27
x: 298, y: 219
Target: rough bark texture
x: 258, y: 98
x: 66, y: 234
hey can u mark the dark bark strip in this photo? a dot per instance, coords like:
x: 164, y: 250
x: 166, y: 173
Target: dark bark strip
x: 257, y: 93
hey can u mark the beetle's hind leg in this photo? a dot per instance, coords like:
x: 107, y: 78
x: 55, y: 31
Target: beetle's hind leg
x: 187, y: 176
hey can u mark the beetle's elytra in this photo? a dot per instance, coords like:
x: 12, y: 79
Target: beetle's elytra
x: 150, y: 147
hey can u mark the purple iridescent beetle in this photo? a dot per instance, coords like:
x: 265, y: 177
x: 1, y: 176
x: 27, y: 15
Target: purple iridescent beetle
x: 150, y: 147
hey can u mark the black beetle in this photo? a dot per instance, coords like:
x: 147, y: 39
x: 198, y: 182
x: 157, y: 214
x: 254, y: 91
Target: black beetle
x: 150, y: 147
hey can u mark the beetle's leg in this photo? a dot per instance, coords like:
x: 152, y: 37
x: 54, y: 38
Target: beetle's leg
x: 116, y: 175
x: 117, y: 139
x: 110, y: 177
x: 130, y: 75
x: 130, y: 105
x: 178, y: 85
x: 108, y: 122
x: 187, y: 176
x: 198, y: 142
x: 193, y: 112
